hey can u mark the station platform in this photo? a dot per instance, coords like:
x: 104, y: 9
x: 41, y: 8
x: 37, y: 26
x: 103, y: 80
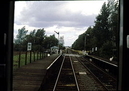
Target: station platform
x: 30, y: 76
x: 114, y: 63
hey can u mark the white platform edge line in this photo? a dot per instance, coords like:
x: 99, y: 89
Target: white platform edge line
x: 53, y: 62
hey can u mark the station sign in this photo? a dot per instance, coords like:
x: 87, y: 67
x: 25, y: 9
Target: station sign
x: 29, y: 46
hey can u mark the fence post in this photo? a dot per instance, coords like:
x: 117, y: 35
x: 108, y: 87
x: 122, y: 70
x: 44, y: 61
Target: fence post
x: 40, y: 54
x: 43, y: 54
x: 26, y: 58
x: 34, y: 55
x: 37, y: 55
x: 19, y: 59
x: 30, y: 56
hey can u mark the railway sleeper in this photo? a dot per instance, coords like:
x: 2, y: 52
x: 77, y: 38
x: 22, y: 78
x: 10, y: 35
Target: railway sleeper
x: 67, y: 87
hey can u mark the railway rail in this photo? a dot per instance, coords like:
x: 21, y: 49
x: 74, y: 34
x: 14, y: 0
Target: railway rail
x: 107, y: 81
x: 66, y: 79
x: 61, y: 75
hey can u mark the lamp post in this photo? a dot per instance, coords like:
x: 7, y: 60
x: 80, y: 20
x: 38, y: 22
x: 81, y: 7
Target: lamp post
x: 58, y: 39
x: 85, y: 42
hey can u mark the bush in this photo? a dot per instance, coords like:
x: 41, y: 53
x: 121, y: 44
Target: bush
x: 106, y: 50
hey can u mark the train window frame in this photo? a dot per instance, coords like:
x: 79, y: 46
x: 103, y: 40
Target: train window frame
x: 9, y: 46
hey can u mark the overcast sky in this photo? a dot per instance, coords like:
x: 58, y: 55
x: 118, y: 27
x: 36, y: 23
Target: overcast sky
x: 69, y: 18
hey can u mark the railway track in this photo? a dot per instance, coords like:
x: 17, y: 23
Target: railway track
x: 66, y: 79
x: 61, y: 76
x: 107, y: 81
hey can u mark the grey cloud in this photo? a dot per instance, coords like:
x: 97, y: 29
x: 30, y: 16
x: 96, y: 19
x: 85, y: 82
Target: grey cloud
x: 45, y: 14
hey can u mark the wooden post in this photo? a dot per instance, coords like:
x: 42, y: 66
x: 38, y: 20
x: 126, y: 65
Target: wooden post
x: 37, y: 55
x: 26, y: 58
x: 19, y: 61
x: 30, y: 56
x: 40, y: 55
x: 34, y: 55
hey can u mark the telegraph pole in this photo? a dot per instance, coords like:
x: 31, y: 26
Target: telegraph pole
x: 85, y: 42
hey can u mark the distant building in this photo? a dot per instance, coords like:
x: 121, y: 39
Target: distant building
x: 61, y: 40
x: 54, y: 50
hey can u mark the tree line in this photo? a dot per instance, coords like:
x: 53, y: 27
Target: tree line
x: 40, y: 41
x: 104, y: 34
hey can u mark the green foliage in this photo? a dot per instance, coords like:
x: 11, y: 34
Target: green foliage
x: 50, y: 41
x: 79, y: 43
x: 106, y: 50
x: 39, y: 36
x: 101, y: 30
x: 21, y: 35
x: 104, y: 34
x: 39, y: 40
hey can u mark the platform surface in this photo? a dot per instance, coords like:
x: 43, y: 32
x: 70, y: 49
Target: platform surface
x: 30, y: 76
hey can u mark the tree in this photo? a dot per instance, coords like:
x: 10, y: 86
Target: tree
x: 101, y: 30
x: 39, y: 35
x: 104, y: 34
x: 50, y: 41
x: 85, y: 40
x: 106, y: 50
x: 79, y: 43
x: 114, y: 24
x: 38, y: 39
x: 30, y: 38
x: 21, y: 35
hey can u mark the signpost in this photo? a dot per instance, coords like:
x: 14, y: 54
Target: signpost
x: 29, y: 47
